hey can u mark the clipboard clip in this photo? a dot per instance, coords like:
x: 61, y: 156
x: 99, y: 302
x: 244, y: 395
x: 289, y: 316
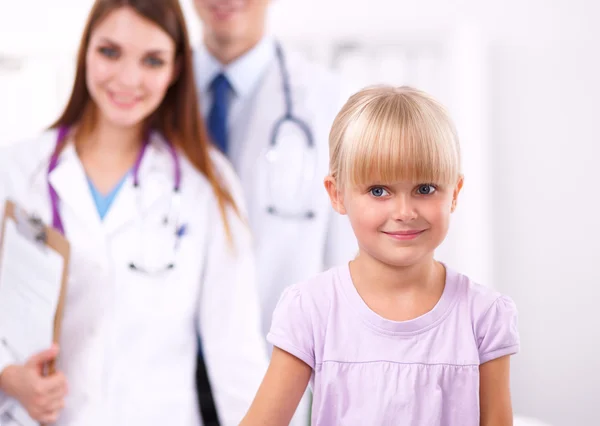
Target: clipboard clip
x: 31, y: 227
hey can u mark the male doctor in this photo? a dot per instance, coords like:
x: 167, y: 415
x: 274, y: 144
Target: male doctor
x: 247, y: 83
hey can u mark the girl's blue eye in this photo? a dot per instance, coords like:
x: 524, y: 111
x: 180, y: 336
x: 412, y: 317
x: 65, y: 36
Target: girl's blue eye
x: 378, y: 191
x: 426, y: 189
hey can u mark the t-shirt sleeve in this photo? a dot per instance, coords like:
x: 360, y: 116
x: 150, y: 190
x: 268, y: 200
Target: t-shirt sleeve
x: 497, y: 333
x: 291, y: 327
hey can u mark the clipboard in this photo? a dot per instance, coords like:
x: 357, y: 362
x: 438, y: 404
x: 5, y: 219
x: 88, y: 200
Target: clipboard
x: 34, y: 230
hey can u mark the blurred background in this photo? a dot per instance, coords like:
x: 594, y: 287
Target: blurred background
x: 521, y: 80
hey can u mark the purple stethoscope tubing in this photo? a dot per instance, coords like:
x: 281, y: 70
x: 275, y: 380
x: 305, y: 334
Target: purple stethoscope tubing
x: 54, y: 199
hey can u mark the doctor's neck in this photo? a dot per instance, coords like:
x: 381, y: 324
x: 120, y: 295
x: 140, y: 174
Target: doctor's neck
x: 227, y: 50
x: 110, y: 141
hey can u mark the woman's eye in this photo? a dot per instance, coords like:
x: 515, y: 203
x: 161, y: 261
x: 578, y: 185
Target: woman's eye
x: 378, y: 191
x: 426, y: 189
x: 109, y: 52
x: 154, y: 62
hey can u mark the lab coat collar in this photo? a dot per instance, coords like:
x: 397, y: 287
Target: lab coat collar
x: 243, y: 74
x: 156, y: 179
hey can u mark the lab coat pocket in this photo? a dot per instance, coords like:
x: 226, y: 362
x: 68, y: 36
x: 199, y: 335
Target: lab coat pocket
x: 165, y: 280
x: 151, y: 296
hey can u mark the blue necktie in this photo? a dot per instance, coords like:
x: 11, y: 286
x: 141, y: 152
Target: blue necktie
x: 217, y: 117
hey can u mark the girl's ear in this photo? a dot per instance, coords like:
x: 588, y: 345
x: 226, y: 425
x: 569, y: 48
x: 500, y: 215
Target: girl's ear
x: 457, y: 189
x: 335, y: 194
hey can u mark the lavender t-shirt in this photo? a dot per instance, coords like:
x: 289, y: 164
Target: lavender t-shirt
x: 371, y: 371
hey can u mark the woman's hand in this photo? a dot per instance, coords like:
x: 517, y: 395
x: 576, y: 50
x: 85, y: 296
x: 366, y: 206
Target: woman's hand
x: 42, y: 396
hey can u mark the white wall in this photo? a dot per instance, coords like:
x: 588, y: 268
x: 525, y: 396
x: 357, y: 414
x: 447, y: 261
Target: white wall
x: 547, y: 231
x: 544, y: 69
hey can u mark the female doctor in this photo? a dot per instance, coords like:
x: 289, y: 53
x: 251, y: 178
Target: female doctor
x: 160, y: 252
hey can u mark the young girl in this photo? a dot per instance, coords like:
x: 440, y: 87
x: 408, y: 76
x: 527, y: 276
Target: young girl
x: 160, y: 250
x: 394, y: 337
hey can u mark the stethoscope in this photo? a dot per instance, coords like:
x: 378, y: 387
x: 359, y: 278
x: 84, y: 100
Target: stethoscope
x: 171, y: 219
x: 272, y: 155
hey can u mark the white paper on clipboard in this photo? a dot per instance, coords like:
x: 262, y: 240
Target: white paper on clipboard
x: 30, y: 287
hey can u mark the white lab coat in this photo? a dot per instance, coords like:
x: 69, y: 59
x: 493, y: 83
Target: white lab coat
x: 129, y: 342
x: 290, y: 250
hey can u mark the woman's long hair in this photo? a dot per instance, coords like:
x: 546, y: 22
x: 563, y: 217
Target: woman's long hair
x: 178, y: 116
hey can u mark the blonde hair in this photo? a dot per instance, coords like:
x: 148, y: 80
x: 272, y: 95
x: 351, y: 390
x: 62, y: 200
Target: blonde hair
x: 386, y: 134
